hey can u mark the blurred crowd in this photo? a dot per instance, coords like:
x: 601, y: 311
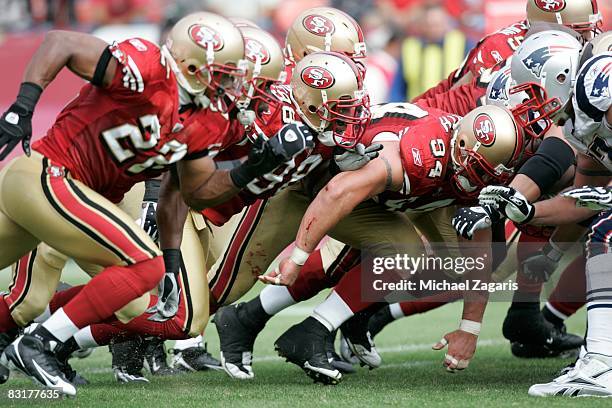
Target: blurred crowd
x: 434, y: 35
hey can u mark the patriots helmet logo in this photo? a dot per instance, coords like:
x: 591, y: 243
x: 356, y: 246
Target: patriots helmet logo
x: 536, y: 60
x: 600, y: 84
x: 499, y: 88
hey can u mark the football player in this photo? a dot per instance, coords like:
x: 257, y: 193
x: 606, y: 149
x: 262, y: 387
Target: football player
x: 586, y: 109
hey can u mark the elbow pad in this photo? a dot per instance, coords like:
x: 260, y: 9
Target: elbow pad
x: 550, y: 162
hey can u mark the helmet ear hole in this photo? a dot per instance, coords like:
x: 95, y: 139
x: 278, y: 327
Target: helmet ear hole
x: 561, y: 78
x: 462, y: 143
x: 312, y: 109
x: 192, y: 68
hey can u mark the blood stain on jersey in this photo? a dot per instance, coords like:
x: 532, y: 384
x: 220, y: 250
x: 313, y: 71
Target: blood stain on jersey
x: 254, y: 49
x: 317, y: 77
x: 552, y: 6
x: 536, y: 60
x: 484, y: 129
x: 318, y: 25
x: 204, y: 35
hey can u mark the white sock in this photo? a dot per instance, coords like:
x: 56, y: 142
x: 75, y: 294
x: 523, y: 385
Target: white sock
x: 275, y: 298
x: 85, y: 339
x: 599, y: 307
x: 332, y: 312
x: 189, y: 343
x: 60, y: 325
x: 43, y: 316
x: 396, y: 311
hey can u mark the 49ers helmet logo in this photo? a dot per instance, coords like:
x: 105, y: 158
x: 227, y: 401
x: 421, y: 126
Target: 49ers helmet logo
x: 318, y: 25
x: 317, y: 77
x: 484, y: 129
x: 253, y: 49
x: 553, y: 6
x: 204, y: 35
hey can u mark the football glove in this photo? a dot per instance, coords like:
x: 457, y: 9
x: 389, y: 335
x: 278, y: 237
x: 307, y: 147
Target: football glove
x: 595, y: 198
x: 16, y: 122
x: 264, y: 157
x: 539, y: 267
x: 468, y: 220
x: 359, y: 156
x: 168, y: 290
x: 147, y: 219
x: 508, y: 202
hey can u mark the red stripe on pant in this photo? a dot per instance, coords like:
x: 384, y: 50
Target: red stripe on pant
x: 115, y: 235
x: 231, y: 260
x: 20, y: 285
x: 349, y: 289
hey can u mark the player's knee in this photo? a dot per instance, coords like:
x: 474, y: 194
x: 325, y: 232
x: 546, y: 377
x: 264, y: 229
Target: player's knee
x: 133, y: 309
x: 147, y: 274
x: 28, y: 310
x: 198, y: 324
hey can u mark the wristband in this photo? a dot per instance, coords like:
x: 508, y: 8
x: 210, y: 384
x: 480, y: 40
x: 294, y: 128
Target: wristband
x: 552, y: 251
x: 299, y: 256
x: 470, y: 326
x: 28, y: 95
x: 172, y: 260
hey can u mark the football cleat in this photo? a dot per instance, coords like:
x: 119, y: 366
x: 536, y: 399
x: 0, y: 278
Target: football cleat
x: 304, y: 345
x: 156, y: 359
x: 236, y: 340
x: 359, y: 341
x: 36, y: 360
x: 379, y: 320
x: 334, y: 359
x: 83, y: 353
x: 194, y: 359
x: 6, y: 338
x: 128, y: 360
x: 591, y: 376
x: 70, y: 374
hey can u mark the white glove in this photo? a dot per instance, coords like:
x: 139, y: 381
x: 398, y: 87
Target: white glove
x: 359, y: 156
x: 468, y: 220
x: 168, y: 299
x: 595, y: 198
x: 509, y: 202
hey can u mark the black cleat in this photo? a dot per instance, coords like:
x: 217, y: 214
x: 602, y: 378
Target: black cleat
x: 379, y: 320
x: 194, y: 359
x: 359, y: 342
x: 128, y: 360
x: 70, y: 374
x: 236, y: 338
x: 155, y: 357
x: 304, y: 345
x: 334, y: 359
x: 6, y: 338
x: 36, y: 359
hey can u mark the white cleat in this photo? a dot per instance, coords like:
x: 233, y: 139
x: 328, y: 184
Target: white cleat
x: 590, y: 377
x: 366, y: 353
x: 243, y: 371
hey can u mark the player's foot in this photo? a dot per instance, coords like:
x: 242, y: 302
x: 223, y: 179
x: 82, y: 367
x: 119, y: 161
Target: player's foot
x: 304, y: 345
x: 128, y: 361
x: 195, y: 359
x: 36, y: 359
x: 591, y: 376
x: 359, y: 341
x: 156, y: 359
x: 70, y: 374
x: 379, y: 320
x: 83, y: 353
x: 6, y: 338
x: 236, y: 338
x: 334, y: 359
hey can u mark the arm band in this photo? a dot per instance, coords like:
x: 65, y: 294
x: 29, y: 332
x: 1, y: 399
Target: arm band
x: 98, y: 77
x: 152, y: 190
x: 299, y: 256
x: 227, y: 164
x: 28, y: 95
x: 550, y: 162
x: 470, y: 326
x: 172, y: 260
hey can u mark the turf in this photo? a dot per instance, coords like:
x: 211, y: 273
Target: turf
x: 411, y: 374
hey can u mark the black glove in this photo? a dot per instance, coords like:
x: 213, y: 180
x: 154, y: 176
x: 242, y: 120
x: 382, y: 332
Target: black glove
x: 467, y: 220
x: 16, y: 122
x: 147, y: 219
x: 264, y: 157
x: 540, y: 266
x: 168, y: 289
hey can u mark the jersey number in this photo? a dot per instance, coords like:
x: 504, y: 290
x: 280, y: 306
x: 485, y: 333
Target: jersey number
x: 437, y: 150
x: 135, y: 135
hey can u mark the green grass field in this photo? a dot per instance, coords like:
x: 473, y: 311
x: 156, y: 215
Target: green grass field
x: 411, y: 375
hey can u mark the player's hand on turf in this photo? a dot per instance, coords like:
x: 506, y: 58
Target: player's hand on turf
x: 168, y: 299
x: 595, y: 198
x: 461, y: 349
x: 15, y: 127
x: 284, y: 274
x: 539, y: 267
x: 509, y: 202
x: 148, y: 221
x: 468, y: 220
x: 357, y: 157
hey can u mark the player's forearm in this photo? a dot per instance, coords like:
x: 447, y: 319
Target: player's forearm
x: 171, y: 214
x: 526, y: 186
x: 475, y: 300
x: 217, y: 189
x: 559, y: 210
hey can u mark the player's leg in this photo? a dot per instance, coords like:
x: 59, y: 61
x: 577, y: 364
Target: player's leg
x: 569, y: 293
x: 592, y: 373
x: 82, y: 224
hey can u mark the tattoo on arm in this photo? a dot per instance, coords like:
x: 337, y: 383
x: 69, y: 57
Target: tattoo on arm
x: 389, y: 181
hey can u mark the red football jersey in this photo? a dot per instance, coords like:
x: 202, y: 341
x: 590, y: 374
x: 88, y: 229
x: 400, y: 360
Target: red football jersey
x: 424, y: 136
x: 485, y: 58
x: 111, y: 138
x: 268, y: 124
